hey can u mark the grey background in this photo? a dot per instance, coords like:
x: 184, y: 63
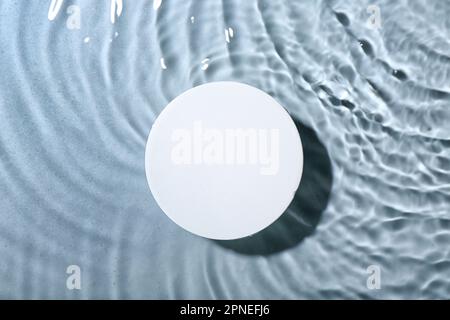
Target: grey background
x: 372, y: 107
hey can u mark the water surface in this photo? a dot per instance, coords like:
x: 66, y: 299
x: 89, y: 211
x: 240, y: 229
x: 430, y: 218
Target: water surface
x: 372, y: 104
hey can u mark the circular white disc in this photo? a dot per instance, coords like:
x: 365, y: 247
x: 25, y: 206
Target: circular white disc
x: 224, y: 160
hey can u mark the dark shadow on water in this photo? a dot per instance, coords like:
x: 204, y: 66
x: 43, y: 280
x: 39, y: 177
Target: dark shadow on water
x: 304, y: 213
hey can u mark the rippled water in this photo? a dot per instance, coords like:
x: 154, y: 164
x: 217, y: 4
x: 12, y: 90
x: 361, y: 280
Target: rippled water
x: 372, y: 105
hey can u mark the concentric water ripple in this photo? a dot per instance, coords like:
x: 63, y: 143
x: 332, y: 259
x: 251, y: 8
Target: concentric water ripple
x: 76, y: 107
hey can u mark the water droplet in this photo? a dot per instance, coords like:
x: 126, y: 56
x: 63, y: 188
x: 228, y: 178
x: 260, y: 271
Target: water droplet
x: 87, y: 39
x: 205, y: 64
x: 156, y: 4
x: 229, y: 33
x: 163, y: 64
x: 116, y: 8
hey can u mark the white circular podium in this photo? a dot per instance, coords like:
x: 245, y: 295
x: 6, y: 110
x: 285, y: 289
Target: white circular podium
x: 223, y: 160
